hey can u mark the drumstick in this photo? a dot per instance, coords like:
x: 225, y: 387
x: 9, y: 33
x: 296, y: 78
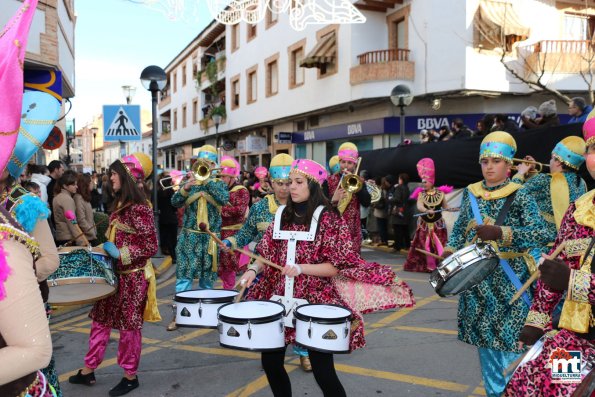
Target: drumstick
x: 430, y: 254
x: 95, y: 225
x: 72, y: 218
x: 536, y: 274
x: 259, y: 258
x: 203, y: 227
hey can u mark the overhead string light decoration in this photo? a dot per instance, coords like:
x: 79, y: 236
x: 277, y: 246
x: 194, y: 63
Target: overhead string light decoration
x: 301, y: 12
x: 174, y: 10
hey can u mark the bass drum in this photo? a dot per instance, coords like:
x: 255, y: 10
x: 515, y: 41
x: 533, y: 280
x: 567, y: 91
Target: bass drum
x: 84, y: 276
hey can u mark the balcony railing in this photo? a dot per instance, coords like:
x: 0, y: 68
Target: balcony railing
x: 383, y: 56
x: 382, y: 65
x: 558, y: 56
x: 559, y: 46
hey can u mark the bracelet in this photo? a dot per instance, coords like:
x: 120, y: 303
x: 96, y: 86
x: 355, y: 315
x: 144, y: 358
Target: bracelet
x: 299, y: 269
x: 253, y: 271
x: 254, y: 267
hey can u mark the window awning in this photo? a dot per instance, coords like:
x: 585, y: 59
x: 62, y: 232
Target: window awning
x: 323, y: 52
x: 497, y: 19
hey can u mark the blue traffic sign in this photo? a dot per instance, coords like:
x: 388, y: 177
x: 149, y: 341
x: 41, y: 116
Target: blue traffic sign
x: 121, y: 123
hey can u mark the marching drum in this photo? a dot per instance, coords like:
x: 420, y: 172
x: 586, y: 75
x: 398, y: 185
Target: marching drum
x: 252, y: 325
x: 84, y: 276
x: 198, y: 308
x: 464, y: 269
x: 324, y: 328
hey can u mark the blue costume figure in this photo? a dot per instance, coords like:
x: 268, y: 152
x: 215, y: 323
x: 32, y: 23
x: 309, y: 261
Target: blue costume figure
x: 485, y: 319
x: 196, y: 251
x: 556, y: 190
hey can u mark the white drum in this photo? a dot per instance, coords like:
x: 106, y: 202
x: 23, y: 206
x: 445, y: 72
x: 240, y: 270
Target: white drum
x: 252, y: 325
x: 198, y: 308
x: 324, y: 328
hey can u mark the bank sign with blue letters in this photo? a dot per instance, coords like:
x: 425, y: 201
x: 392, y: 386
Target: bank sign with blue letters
x: 390, y: 125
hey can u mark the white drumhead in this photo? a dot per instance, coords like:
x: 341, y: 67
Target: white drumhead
x: 323, y: 311
x: 207, y: 293
x: 249, y: 310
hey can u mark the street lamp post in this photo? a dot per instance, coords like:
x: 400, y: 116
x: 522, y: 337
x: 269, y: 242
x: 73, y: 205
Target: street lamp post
x: 217, y: 120
x: 94, y: 129
x: 401, y: 97
x: 153, y: 78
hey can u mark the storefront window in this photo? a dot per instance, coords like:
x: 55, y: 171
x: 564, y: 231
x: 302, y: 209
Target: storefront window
x: 300, y: 151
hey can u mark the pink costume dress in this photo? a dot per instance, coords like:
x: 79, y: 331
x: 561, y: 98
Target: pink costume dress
x: 232, y: 218
x: 431, y: 232
x: 132, y: 229
x: 332, y: 244
x: 351, y: 215
x: 534, y: 378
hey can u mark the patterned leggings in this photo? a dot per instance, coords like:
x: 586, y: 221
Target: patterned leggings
x: 323, y: 368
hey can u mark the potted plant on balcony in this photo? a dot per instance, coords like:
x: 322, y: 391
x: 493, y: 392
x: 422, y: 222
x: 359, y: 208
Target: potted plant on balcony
x: 218, y: 110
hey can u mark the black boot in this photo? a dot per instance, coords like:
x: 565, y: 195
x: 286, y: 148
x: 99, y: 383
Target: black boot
x: 80, y: 379
x: 125, y: 386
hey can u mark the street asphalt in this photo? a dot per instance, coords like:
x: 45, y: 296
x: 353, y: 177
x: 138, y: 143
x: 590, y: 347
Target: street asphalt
x: 409, y: 352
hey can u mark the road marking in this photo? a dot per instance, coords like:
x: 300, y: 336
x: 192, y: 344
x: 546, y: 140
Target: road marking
x: 191, y: 335
x: 401, y: 313
x: 428, y: 330
x: 411, y: 379
x: 106, y: 363
x: 218, y: 351
x: 257, y: 384
x: 70, y: 320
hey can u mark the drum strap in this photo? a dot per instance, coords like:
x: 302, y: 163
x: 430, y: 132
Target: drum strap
x: 514, y: 279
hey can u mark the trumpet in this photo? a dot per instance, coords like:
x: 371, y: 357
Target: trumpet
x: 538, y: 166
x: 351, y: 183
x: 201, y: 170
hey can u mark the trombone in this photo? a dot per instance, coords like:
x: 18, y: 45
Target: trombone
x: 538, y: 166
x: 201, y: 170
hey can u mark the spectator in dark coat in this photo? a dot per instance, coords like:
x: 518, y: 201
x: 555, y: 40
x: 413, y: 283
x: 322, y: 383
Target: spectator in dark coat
x: 503, y: 123
x: 168, y: 220
x: 399, y: 215
x: 460, y: 130
x: 548, y: 116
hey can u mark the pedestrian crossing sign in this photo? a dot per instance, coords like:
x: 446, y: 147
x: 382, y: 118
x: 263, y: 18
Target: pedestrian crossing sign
x: 121, y: 123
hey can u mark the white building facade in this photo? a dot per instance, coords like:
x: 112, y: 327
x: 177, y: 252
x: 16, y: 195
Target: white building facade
x: 449, y: 52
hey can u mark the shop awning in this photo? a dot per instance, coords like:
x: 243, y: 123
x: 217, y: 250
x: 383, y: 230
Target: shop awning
x: 496, y: 20
x: 323, y: 52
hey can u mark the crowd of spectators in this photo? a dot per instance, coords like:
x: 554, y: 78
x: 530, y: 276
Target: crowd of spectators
x: 546, y: 115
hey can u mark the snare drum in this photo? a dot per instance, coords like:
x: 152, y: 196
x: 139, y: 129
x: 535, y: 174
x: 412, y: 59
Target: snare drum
x: 324, y: 328
x: 252, y: 325
x: 83, y: 276
x: 464, y: 269
x: 198, y: 308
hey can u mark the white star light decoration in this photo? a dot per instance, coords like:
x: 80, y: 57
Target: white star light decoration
x: 301, y: 12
